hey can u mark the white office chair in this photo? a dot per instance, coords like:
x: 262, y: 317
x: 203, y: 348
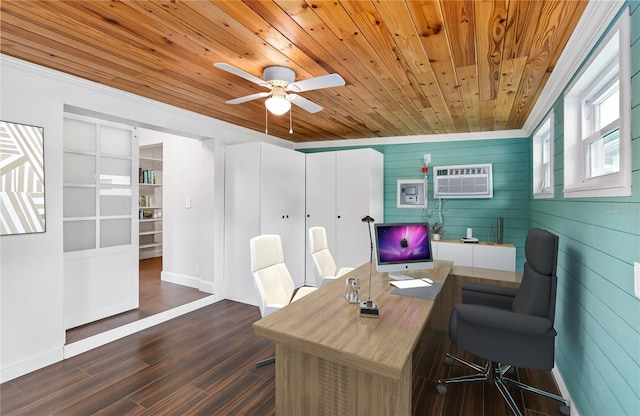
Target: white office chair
x: 273, y: 282
x: 323, y: 263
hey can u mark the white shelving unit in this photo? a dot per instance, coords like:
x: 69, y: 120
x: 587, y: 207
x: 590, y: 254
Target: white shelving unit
x: 150, y: 201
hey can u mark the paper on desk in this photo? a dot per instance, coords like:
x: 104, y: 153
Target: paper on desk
x: 406, y: 284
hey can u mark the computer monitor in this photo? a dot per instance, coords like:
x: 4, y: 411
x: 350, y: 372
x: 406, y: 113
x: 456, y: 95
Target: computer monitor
x: 402, y: 247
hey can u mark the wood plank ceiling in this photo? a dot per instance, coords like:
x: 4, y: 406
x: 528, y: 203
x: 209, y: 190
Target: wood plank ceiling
x: 411, y: 67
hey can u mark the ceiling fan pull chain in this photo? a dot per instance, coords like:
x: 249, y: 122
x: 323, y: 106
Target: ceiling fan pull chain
x: 290, y: 123
x: 266, y: 121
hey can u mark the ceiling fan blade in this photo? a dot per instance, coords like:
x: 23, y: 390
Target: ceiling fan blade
x: 248, y: 98
x: 316, y: 83
x: 303, y: 103
x: 239, y: 72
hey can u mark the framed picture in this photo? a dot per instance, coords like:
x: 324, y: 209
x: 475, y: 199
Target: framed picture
x: 22, y: 207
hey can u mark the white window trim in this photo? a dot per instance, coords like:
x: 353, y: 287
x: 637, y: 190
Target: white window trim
x: 576, y: 184
x: 538, y: 165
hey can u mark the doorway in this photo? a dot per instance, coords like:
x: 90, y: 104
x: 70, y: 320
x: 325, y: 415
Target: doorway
x: 155, y: 296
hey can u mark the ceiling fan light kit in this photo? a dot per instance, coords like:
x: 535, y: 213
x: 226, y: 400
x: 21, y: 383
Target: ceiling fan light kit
x: 278, y: 104
x: 281, y: 80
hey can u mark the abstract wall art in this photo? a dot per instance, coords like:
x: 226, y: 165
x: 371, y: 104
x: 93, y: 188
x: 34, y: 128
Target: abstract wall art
x: 22, y: 207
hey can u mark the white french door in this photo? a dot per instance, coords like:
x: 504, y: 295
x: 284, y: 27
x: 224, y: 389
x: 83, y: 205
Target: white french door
x: 99, y: 219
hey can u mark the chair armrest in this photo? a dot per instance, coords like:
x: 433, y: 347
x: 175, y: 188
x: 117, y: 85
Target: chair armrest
x: 503, y: 320
x: 302, y: 292
x: 488, y: 295
x: 271, y: 308
x: 327, y: 279
x: 343, y: 271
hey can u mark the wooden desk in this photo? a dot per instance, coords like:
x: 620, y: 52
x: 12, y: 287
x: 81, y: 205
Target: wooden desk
x: 332, y: 361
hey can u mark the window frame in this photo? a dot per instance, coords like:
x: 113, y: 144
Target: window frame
x: 592, y: 81
x: 544, y: 131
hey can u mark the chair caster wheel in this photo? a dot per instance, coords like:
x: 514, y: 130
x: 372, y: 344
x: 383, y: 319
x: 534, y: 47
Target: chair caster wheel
x: 565, y: 410
x: 448, y: 360
x: 442, y: 389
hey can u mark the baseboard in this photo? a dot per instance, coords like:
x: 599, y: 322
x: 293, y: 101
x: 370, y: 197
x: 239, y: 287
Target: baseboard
x: 182, y: 279
x: 186, y: 280
x: 564, y: 392
x: 33, y: 364
x: 206, y: 287
x: 75, y: 321
x: 98, y: 340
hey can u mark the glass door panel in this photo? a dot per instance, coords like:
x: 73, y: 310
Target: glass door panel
x: 79, y: 168
x: 79, y: 136
x: 79, y: 202
x: 115, y: 171
x: 79, y: 235
x: 116, y: 232
x: 115, y: 201
x: 115, y: 141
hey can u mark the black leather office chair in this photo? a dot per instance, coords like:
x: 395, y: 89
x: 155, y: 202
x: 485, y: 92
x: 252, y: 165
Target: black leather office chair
x: 510, y: 326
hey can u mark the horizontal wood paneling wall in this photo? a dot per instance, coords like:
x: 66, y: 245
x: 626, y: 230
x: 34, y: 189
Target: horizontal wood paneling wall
x: 510, y: 158
x: 597, y: 315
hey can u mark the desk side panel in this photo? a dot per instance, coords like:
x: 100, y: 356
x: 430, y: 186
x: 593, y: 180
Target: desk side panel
x: 309, y: 385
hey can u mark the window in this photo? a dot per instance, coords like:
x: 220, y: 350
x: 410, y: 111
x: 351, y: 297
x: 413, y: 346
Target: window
x: 597, y: 121
x: 543, y: 140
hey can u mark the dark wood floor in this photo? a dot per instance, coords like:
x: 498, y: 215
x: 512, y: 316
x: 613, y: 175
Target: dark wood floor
x: 155, y: 296
x: 203, y: 363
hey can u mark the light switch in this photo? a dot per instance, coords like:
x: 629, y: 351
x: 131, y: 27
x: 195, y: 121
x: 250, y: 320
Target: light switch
x: 636, y: 279
x: 188, y: 203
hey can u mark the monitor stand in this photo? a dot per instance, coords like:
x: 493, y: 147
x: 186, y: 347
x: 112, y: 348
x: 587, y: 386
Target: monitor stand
x: 399, y: 276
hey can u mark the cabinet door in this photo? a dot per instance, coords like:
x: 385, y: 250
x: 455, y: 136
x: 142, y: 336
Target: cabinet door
x: 495, y: 257
x: 242, y: 206
x: 282, y: 204
x: 320, y: 202
x: 460, y: 254
x: 353, y: 203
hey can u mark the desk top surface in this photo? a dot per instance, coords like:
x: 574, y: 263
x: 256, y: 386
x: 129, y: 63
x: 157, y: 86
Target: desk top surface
x: 324, y: 324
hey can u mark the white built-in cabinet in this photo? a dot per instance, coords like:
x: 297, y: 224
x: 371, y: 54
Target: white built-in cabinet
x: 150, y: 180
x: 342, y: 187
x: 482, y: 255
x: 264, y: 194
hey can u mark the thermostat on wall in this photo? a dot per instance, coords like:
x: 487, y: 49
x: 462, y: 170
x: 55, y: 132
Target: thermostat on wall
x: 411, y: 193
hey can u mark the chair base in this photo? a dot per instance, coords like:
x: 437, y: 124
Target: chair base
x: 494, y: 371
x: 266, y: 361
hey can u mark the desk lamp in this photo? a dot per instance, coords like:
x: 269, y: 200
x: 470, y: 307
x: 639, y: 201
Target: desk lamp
x: 369, y: 309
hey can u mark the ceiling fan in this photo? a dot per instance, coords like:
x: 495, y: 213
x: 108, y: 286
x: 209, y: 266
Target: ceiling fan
x: 280, y: 82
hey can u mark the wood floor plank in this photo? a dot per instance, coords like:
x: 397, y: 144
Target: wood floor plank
x: 203, y: 363
x: 79, y: 398
x: 155, y: 296
x: 180, y: 402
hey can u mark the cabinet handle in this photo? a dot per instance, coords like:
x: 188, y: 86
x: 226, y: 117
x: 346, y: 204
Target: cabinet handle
x: 308, y: 215
x: 283, y: 217
x: 338, y: 216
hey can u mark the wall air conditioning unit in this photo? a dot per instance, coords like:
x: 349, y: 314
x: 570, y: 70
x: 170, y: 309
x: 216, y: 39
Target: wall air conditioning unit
x: 463, y: 181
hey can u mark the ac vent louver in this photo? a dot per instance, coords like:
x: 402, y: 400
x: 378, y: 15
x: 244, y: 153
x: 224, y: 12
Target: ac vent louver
x: 463, y: 181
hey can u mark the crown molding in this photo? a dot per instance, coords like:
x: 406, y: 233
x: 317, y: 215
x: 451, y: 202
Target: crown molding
x: 204, y: 127
x: 422, y: 138
x: 594, y: 22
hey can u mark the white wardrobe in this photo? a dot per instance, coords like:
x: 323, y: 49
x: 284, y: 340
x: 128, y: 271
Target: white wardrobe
x: 265, y: 191
x: 264, y: 194
x: 342, y: 187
